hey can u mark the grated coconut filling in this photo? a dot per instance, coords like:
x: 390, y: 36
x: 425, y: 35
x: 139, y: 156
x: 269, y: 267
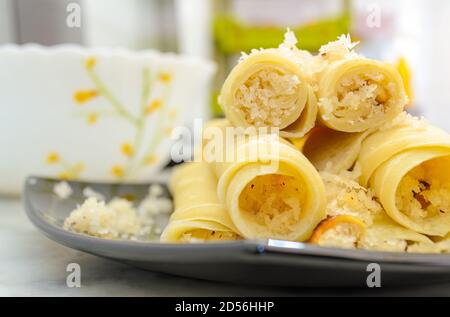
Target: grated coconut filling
x: 267, y: 96
x: 360, y: 97
x: 422, y: 197
x: 274, y: 202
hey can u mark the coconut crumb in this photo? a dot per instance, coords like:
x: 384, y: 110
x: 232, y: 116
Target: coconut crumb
x: 115, y: 220
x: 267, y: 96
x: 359, y: 98
x: 155, y: 203
x: 119, y: 219
x: 421, y: 198
x: 343, y: 235
x: 290, y: 40
x: 274, y: 202
x: 342, y: 48
x: 407, y: 120
x: 286, y: 47
x: 63, y: 190
x: 347, y: 197
x: 88, y: 192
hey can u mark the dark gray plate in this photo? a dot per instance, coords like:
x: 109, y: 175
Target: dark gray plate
x: 270, y: 262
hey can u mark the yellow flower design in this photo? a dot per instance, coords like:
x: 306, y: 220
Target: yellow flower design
x: 83, y: 96
x: 153, y: 106
x: 127, y: 149
x: 150, y: 160
x: 165, y: 77
x: 52, y: 158
x: 69, y: 171
x: 90, y: 63
x: 92, y: 118
x: 137, y: 153
x: 118, y: 171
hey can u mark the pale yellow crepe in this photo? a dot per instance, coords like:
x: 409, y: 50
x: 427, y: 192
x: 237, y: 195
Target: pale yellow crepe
x: 271, y: 88
x: 357, y: 94
x: 409, y: 133
x: 414, y: 189
x: 333, y: 151
x: 198, y: 215
x: 269, y: 188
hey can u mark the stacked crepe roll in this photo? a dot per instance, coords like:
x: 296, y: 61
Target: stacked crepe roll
x: 358, y: 94
x: 272, y: 88
x: 408, y: 167
x: 348, y: 168
x: 198, y: 215
x: 270, y: 189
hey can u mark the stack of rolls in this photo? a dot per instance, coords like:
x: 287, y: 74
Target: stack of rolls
x: 199, y: 216
x: 342, y: 166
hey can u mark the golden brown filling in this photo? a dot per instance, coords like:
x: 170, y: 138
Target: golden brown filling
x: 422, y: 193
x: 359, y: 97
x: 267, y: 96
x: 274, y: 202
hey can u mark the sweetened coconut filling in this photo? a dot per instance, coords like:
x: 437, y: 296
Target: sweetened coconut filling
x: 203, y: 235
x: 267, y: 96
x: 342, y: 235
x: 424, y: 192
x: 273, y: 203
x: 359, y: 98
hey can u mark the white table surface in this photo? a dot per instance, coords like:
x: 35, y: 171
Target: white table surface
x: 32, y: 265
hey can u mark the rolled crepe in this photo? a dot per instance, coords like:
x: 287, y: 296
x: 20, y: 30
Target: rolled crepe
x: 270, y: 189
x: 269, y: 88
x: 357, y: 94
x: 333, y: 151
x: 407, y: 166
x: 414, y: 189
x: 198, y: 216
x: 408, y: 133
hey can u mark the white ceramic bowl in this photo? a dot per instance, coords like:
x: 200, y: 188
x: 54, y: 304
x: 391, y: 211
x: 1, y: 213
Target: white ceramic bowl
x: 95, y: 114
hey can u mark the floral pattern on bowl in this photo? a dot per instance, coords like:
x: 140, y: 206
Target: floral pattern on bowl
x: 95, y: 114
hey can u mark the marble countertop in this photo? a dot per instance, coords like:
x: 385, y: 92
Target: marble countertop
x: 32, y: 265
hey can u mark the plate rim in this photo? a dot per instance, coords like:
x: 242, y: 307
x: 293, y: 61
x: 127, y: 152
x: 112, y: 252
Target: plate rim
x: 61, y: 235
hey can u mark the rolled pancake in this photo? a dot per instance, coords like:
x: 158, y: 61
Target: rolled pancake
x: 271, y: 88
x: 333, y: 151
x: 357, y: 94
x: 270, y: 189
x: 408, y: 133
x: 198, y: 215
x: 414, y: 189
